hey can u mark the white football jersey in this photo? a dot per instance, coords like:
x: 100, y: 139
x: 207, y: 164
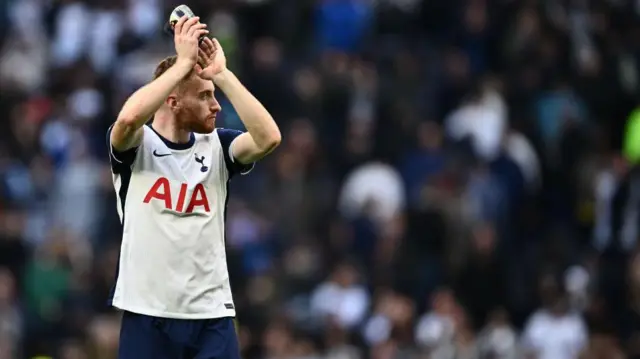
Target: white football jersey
x: 171, y: 201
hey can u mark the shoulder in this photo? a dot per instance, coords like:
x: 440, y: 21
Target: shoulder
x: 226, y: 137
x: 537, y: 320
x: 120, y: 160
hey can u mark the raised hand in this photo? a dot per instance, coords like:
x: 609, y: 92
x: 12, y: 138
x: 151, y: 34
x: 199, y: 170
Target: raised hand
x: 211, y: 59
x: 187, y: 33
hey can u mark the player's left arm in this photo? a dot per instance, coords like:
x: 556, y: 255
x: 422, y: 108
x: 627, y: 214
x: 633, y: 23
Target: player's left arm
x: 263, y: 134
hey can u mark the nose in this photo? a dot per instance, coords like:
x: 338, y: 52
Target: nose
x: 215, y: 106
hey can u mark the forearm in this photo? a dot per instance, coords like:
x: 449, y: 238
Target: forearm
x: 140, y: 106
x: 257, y: 120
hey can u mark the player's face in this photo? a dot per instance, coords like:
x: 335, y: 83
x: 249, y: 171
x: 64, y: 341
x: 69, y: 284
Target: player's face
x: 198, y: 106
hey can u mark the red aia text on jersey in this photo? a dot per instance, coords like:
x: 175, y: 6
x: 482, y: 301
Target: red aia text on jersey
x: 161, y: 190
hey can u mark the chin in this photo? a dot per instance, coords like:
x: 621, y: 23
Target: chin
x: 204, y: 128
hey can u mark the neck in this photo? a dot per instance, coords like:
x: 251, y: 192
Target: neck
x: 169, y: 129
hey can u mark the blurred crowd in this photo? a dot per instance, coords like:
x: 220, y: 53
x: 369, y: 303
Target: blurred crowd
x: 457, y: 179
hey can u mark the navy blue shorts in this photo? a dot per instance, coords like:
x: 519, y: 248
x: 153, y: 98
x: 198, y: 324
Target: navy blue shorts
x: 145, y: 337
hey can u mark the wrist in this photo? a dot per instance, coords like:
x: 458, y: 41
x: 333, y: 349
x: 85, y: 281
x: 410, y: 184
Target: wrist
x: 221, y: 77
x: 184, y: 66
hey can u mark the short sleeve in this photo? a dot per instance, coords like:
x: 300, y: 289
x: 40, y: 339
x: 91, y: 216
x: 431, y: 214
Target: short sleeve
x: 227, y: 136
x: 120, y: 160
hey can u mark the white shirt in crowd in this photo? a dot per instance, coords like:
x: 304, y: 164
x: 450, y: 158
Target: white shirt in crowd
x: 347, y: 305
x: 552, y: 336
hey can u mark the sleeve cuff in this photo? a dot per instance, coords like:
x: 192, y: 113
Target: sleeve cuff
x: 120, y: 158
x: 238, y: 167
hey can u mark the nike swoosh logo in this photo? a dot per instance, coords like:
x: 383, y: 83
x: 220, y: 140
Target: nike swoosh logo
x: 160, y: 154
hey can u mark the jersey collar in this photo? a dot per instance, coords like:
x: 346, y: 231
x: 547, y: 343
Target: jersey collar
x: 174, y: 145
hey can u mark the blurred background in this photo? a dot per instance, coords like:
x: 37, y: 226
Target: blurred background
x: 457, y: 179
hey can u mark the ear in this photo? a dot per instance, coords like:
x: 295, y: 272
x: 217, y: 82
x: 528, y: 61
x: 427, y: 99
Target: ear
x: 172, y: 101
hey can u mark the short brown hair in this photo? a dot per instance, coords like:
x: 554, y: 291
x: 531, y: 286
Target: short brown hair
x: 164, y: 65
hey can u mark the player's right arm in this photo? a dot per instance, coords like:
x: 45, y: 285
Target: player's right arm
x: 126, y: 132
